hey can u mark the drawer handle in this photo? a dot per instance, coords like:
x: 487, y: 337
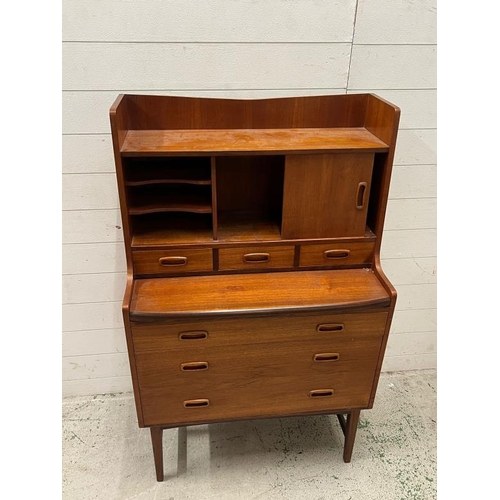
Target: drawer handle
x: 330, y: 327
x: 196, y: 403
x: 256, y: 257
x: 194, y: 365
x: 321, y: 393
x: 327, y: 356
x: 173, y: 261
x: 360, y: 195
x: 194, y: 335
x: 337, y: 254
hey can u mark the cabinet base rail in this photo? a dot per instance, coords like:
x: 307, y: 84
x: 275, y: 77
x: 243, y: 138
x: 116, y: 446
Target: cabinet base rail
x: 348, y: 425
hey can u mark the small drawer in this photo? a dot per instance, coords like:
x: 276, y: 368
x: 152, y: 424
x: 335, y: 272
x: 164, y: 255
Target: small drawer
x: 172, y: 261
x: 336, y: 254
x: 258, y: 257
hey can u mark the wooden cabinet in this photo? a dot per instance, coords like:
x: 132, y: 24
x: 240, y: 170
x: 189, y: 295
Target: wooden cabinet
x: 252, y: 232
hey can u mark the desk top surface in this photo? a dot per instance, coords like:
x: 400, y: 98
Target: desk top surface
x: 257, y: 293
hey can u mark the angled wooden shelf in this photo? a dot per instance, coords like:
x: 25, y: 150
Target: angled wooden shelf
x: 184, y: 205
x: 148, y: 201
x: 255, y: 141
x: 145, y: 174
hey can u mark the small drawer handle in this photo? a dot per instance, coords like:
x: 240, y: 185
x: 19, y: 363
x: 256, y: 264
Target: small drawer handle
x: 327, y: 356
x: 321, y: 393
x: 194, y: 335
x: 194, y: 366
x: 196, y: 403
x: 173, y: 261
x: 256, y: 257
x: 330, y: 327
x: 337, y: 254
x: 360, y: 195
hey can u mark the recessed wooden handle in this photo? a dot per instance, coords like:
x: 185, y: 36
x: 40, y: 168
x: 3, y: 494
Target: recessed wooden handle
x: 360, y: 195
x: 327, y: 356
x: 330, y: 327
x: 194, y: 366
x: 337, y: 254
x: 321, y: 393
x: 194, y: 335
x: 196, y: 403
x: 256, y: 257
x: 173, y: 261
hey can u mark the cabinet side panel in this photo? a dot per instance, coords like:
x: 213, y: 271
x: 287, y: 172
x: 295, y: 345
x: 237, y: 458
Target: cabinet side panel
x: 326, y: 196
x: 382, y: 120
x: 120, y: 119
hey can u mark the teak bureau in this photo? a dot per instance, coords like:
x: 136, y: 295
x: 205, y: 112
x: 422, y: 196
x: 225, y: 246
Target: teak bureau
x: 252, y: 233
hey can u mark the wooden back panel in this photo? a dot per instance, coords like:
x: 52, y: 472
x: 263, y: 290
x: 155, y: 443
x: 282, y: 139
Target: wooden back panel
x: 250, y: 184
x: 167, y: 112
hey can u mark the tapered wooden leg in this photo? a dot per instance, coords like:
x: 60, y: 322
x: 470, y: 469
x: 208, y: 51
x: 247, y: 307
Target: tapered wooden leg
x: 157, y: 441
x: 350, y: 434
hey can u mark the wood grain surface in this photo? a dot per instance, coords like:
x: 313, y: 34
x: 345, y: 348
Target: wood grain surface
x: 250, y: 141
x: 255, y: 379
x: 321, y: 195
x: 186, y: 335
x: 265, y: 292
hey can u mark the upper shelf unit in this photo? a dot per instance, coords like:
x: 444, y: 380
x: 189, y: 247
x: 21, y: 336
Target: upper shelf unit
x: 198, y: 170
x: 264, y: 141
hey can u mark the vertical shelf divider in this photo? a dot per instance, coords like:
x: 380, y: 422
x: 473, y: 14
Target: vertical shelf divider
x: 214, y: 197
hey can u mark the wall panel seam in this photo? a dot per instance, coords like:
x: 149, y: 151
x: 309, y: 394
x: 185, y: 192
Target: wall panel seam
x: 95, y: 378
x: 121, y: 353
x: 92, y: 330
x: 270, y: 42
x: 410, y: 355
x: 99, y: 273
x: 180, y: 42
x: 394, y: 44
x: 130, y: 91
x: 243, y: 89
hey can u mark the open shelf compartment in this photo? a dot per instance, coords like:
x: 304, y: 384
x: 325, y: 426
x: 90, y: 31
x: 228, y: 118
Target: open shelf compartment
x: 170, y: 228
x: 177, y: 170
x: 252, y: 170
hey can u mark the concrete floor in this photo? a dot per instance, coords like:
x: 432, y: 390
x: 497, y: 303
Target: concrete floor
x: 106, y: 456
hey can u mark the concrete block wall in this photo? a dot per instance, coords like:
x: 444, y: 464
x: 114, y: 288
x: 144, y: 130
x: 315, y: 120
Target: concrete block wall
x: 235, y: 48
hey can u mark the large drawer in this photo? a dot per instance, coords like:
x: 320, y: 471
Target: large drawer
x: 256, y: 257
x: 208, y: 333
x: 336, y: 254
x: 172, y: 261
x: 256, y: 367
x: 255, y: 380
